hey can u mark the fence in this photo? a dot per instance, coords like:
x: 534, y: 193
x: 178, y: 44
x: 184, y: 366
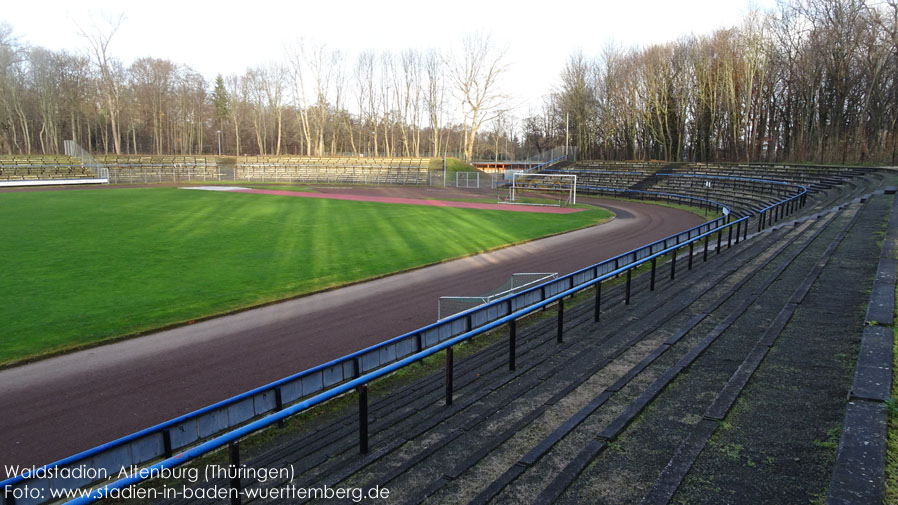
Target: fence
x: 227, y: 421
x: 476, y: 180
x: 73, y: 149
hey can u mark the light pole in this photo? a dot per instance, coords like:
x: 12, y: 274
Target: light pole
x: 218, y: 133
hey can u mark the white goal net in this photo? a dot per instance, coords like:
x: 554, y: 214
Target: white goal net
x: 542, y: 189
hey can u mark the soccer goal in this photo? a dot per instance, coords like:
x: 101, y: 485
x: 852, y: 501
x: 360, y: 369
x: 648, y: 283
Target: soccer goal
x: 451, y: 305
x: 542, y: 189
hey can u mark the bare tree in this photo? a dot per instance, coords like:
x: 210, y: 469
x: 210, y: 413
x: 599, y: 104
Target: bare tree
x: 367, y: 100
x: 435, y: 96
x: 9, y: 60
x: 314, y: 73
x: 476, y: 73
x: 238, y: 94
x: 273, y: 82
x: 110, y: 78
x: 153, y: 81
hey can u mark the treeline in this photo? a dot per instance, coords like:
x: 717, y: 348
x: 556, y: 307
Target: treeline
x: 813, y: 80
x: 816, y: 80
x: 312, y: 102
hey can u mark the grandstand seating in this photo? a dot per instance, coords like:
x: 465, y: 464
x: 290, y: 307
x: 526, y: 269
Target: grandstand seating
x: 137, y: 169
x: 41, y: 167
x: 730, y: 184
x: 406, y: 171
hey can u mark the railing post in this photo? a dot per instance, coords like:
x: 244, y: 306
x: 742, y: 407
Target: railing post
x: 691, y: 250
x: 9, y: 496
x: 449, y: 366
x: 598, y: 301
x: 627, y: 298
x: 719, y: 237
x: 738, y: 231
x: 745, y: 231
x: 730, y: 237
x: 705, y: 257
x: 419, y: 343
x: 559, y: 336
x: 673, y: 264
x: 363, y: 418
x: 234, y: 453
x: 512, y: 343
x: 166, y: 443
x: 652, y: 283
x: 279, y: 404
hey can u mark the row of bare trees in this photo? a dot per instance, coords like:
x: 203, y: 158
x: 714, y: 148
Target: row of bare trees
x: 314, y: 102
x: 152, y: 106
x: 411, y: 103
x: 816, y: 80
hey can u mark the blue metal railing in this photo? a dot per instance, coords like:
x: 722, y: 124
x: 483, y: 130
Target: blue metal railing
x: 317, y: 384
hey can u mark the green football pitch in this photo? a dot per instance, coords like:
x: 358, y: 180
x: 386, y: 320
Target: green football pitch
x: 80, y: 267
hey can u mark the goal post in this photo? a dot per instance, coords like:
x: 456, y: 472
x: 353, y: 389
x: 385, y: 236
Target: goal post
x: 451, y: 305
x: 561, y: 187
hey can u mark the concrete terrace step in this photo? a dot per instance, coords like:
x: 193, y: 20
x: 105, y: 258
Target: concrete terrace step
x: 573, y: 473
x: 779, y: 440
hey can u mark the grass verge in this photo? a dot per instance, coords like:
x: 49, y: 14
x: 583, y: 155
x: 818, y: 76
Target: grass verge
x: 453, y: 165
